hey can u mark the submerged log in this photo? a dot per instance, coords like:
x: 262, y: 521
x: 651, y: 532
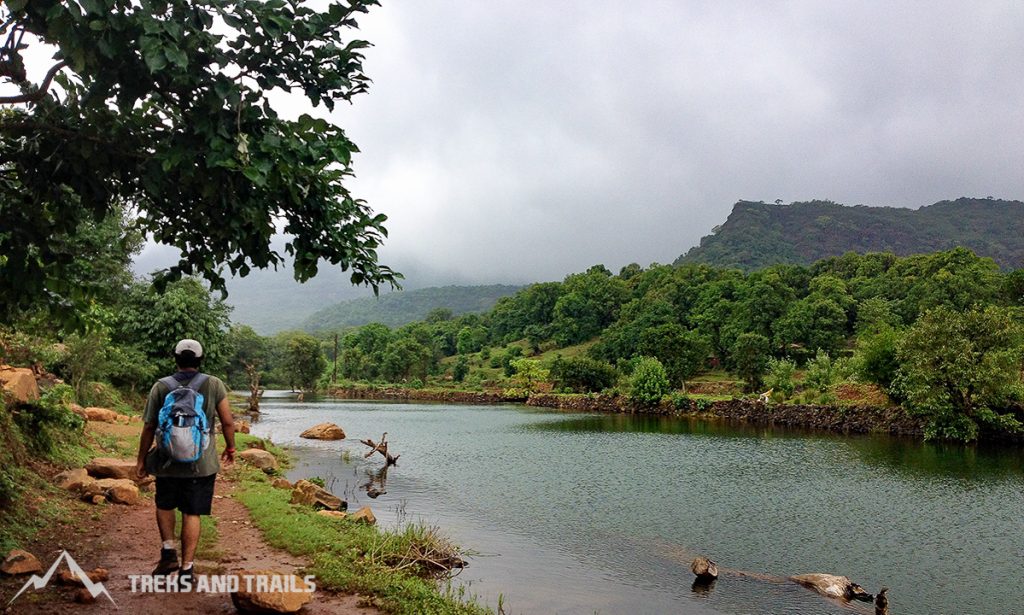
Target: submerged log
x: 381, y: 448
x: 882, y: 602
x: 833, y: 586
x: 705, y: 569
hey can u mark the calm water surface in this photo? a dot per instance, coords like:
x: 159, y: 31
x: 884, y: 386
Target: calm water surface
x: 581, y: 513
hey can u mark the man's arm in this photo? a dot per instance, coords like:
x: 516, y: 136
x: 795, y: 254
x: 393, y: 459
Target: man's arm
x: 227, y: 426
x: 145, y: 442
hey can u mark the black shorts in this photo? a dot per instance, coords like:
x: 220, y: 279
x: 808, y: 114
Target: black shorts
x: 191, y: 495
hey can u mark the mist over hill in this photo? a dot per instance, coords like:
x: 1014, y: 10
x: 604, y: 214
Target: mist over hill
x: 399, y: 308
x: 758, y: 234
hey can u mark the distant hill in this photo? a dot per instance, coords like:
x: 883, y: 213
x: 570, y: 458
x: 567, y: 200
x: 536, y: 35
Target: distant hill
x: 399, y: 308
x: 760, y: 234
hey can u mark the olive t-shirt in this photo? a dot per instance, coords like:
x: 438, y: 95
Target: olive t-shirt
x: 213, y: 391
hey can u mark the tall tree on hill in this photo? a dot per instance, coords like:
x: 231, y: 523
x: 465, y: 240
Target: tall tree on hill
x: 163, y: 105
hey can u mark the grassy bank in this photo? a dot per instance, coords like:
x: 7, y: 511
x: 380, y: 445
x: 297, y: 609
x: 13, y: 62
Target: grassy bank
x: 353, y: 557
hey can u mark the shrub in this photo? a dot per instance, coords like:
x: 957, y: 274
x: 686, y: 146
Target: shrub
x: 780, y: 376
x: 820, y: 371
x: 582, y: 374
x: 461, y: 368
x: 49, y: 423
x: 875, y: 360
x: 680, y: 401
x: 648, y: 382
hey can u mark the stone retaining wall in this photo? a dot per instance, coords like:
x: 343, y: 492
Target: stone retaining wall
x: 843, y: 419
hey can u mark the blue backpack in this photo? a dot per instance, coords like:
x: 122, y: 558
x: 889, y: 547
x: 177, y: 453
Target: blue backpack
x: 182, y: 431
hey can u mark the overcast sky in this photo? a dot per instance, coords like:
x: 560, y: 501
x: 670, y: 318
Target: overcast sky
x: 512, y: 141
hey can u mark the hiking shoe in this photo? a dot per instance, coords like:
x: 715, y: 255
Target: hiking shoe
x: 168, y: 563
x: 186, y: 579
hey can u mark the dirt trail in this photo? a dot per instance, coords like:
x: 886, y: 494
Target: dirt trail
x: 124, y: 540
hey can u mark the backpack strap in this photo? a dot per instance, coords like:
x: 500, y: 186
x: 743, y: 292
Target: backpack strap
x: 170, y: 382
x: 197, y: 381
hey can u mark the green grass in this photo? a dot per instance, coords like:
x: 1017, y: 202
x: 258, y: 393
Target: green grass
x: 352, y: 557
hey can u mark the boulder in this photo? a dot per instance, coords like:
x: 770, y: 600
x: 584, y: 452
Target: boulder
x: 364, y: 515
x: 79, y: 410
x: 73, y: 480
x: 324, y: 431
x: 117, y: 490
x: 242, y: 426
x: 20, y: 562
x: 101, y: 415
x: 704, y: 569
x: 333, y: 514
x: 832, y: 586
x: 259, y: 458
x: 316, y: 496
x: 281, y: 592
x: 281, y: 483
x: 19, y: 384
x: 108, y: 467
x: 83, y: 596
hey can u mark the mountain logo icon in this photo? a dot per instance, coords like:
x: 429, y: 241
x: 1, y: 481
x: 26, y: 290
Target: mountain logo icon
x: 37, y: 582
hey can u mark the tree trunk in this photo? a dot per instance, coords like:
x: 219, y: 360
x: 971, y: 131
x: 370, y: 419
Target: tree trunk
x: 254, y: 387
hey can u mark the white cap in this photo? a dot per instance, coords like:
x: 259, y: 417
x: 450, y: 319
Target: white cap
x: 194, y: 346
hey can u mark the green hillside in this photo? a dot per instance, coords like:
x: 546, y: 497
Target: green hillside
x: 398, y: 308
x: 760, y: 234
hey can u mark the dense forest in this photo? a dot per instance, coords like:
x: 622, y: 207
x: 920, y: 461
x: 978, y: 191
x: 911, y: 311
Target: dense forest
x: 758, y: 234
x: 398, y: 308
x: 940, y: 333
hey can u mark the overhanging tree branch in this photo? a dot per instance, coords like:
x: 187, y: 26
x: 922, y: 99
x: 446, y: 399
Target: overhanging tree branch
x: 38, y: 94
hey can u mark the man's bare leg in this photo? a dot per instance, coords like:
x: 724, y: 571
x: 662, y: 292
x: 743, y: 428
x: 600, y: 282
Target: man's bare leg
x: 189, y: 538
x: 165, y: 521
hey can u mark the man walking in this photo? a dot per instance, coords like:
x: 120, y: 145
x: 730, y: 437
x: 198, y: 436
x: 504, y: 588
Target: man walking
x: 179, y: 415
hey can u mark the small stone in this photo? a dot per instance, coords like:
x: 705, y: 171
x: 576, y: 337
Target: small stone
x: 101, y: 415
x: 83, y: 596
x: 98, y: 499
x: 20, y: 562
x: 310, y: 494
x: 66, y: 577
x: 117, y: 490
x: 242, y: 426
x: 333, y: 514
x: 704, y: 568
x: 281, y: 483
x: 72, y: 480
x: 290, y: 596
x: 259, y: 458
x: 364, y: 515
x: 108, y: 467
x: 19, y: 384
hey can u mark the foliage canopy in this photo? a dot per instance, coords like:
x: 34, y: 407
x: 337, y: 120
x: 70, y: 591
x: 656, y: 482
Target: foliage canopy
x: 163, y: 106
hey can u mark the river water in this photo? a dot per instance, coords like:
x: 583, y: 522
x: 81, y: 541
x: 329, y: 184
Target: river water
x: 583, y: 513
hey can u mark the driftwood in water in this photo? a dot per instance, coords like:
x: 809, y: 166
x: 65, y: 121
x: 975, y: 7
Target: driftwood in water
x: 882, y: 602
x: 705, y: 569
x: 382, y: 448
x: 833, y: 586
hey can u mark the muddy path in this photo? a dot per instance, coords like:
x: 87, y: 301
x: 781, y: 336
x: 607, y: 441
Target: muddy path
x: 125, y: 541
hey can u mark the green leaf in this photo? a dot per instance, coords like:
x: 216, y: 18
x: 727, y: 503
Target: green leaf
x: 155, y: 59
x: 232, y: 21
x: 254, y: 175
x: 176, y: 56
